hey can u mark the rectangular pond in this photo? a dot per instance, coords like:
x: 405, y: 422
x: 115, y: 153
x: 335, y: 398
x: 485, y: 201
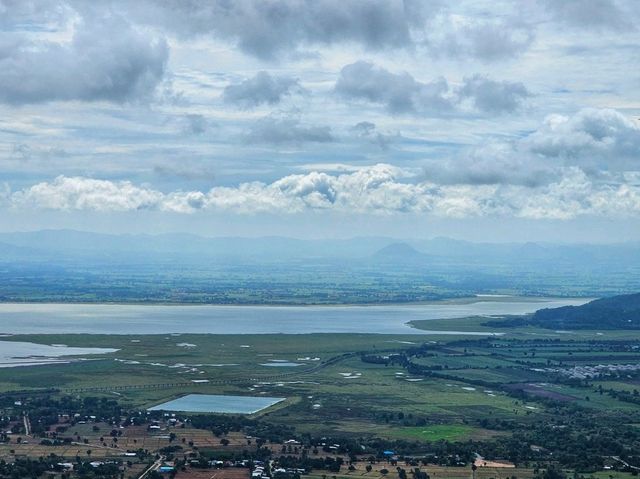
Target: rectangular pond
x: 213, y: 403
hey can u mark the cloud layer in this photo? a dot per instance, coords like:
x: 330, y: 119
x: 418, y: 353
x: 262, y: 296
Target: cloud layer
x: 379, y: 189
x: 474, y: 108
x: 276, y: 27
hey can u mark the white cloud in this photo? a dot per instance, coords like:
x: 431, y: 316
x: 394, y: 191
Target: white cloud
x: 379, y: 189
x: 600, y: 142
x: 603, y: 134
x: 76, y: 193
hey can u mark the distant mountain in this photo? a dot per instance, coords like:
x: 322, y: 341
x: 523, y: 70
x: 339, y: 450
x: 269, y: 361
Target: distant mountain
x: 616, y: 312
x: 80, y: 244
x: 22, y: 253
x: 400, y: 252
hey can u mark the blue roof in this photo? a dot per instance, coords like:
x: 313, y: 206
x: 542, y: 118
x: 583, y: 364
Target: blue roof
x: 388, y: 453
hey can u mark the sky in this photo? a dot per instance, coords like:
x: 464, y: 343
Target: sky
x: 480, y: 120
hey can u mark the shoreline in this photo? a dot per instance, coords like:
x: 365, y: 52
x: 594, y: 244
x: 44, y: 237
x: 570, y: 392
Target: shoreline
x: 462, y: 300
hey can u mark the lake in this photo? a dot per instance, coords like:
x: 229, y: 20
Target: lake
x: 30, y: 318
x: 212, y: 403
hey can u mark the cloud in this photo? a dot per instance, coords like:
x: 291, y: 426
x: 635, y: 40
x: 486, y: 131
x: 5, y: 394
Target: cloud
x: 364, y: 128
x: 603, y: 136
x: 261, y: 89
x: 195, y: 124
x: 486, y: 40
x: 77, y: 193
x: 41, y: 15
x: 287, y: 130
x: 273, y: 28
x: 184, y: 171
x: 590, y: 14
x: 398, y: 93
x: 401, y: 93
x: 491, y: 96
x: 600, y: 142
x: 378, y: 189
x: 492, y: 164
x: 369, y: 131
x: 106, y: 60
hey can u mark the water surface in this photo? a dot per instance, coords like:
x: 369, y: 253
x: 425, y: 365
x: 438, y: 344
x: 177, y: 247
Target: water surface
x: 14, y: 353
x: 214, y: 319
x: 213, y: 403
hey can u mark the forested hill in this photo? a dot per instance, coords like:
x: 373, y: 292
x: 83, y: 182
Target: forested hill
x: 616, y: 312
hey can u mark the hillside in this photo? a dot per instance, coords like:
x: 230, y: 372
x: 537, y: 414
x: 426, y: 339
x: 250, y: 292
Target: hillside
x: 616, y: 312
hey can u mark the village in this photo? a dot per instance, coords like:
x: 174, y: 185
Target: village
x: 151, y: 444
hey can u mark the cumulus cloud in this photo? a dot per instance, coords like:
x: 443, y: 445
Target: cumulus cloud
x: 397, y: 92
x: 287, y: 130
x: 599, y: 142
x: 378, y: 189
x: 401, y: 93
x: 75, y: 193
x: 106, y: 60
x: 494, y: 96
x: 601, y: 135
x: 260, y: 89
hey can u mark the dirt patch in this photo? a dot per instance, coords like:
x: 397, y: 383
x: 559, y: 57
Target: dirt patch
x: 484, y: 463
x: 228, y: 473
x: 540, y: 391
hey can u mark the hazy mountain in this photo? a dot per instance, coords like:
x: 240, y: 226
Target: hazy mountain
x: 399, y: 252
x: 70, y: 244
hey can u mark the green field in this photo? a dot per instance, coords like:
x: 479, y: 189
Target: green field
x: 421, y: 392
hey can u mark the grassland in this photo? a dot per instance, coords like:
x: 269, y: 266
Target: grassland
x: 332, y: 389
x: 476, y: 393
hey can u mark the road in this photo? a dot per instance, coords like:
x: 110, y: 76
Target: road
x: 152, y: 467
x: 27, y: 424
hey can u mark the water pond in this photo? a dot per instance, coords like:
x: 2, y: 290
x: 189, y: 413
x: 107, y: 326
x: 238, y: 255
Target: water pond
x: 213, y: 403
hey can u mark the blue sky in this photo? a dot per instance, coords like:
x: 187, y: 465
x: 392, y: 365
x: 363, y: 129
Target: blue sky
x: 476, y: 119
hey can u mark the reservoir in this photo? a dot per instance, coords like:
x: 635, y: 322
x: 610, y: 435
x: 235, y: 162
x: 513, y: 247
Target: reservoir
x: 212, y: 403
x: 40, y: 318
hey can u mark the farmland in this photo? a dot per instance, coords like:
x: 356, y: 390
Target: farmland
x: 430, y: 396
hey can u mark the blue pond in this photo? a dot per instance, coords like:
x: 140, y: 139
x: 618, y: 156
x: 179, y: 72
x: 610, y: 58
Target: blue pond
x: 217, y: 404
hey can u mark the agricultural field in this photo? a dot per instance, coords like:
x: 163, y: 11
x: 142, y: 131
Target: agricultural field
x: 438, y: 397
